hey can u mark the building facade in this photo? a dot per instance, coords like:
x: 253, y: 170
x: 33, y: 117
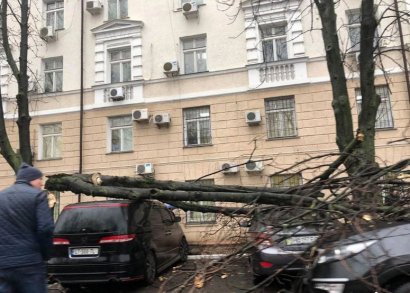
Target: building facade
x: 178, y: 89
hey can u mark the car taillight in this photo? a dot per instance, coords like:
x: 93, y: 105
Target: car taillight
x: 60, y: 241
x: 265, y: 264
x: 117, y: 238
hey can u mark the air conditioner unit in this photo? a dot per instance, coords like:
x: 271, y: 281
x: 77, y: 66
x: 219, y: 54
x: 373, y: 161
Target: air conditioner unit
x: 94, y: 6
x: 162, y: 119
x: 171, y: 68
x: 227, y: 168
x: 190, y: 9
x: 140, y: 115
x: 253, y: 117
x: 47, y: 33
x: 253, y: 166
x: 117, y: 94
x: 146, y: 168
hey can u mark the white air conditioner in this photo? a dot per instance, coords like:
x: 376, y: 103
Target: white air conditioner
x: 140, y: 115
x: 94, y: 6
x: 227, y: 168
x: 47, y: 33
x: 146, y: 168
x: 117, y: 94
x: 253, y: 117
x: 162, y: 119
x: 253, y: 166
x: 171, y: 68
x: 190, y: 9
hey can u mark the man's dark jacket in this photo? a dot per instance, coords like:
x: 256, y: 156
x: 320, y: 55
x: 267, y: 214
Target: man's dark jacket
x: 26, y: 226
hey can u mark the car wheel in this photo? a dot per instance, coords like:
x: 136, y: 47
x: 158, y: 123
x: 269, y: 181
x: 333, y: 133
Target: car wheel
x: 150, y: 268
x: 405, y: 288
x: 183, y: 250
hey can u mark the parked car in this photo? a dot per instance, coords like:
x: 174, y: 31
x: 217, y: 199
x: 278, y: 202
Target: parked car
x: 278, y: 250
x: 115, y: 240
x: 374, y: 261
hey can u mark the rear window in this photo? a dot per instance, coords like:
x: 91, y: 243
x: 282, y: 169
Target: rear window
x: 93, y: 219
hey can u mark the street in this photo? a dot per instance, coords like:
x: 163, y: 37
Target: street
x: 233, y: 278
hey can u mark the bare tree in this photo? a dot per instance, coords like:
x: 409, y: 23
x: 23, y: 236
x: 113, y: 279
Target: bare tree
x: 19, y: 68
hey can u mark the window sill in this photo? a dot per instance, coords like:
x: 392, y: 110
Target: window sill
x: 197, y: 146
x: 385, y: 129
x: 283, y: 137
x: 119, y: 152
x: 49, y: 159
x: 193, y: 73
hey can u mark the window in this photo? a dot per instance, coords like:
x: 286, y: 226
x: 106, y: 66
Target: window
x: 384, y: 116
x: 198, y: 217
x: 117, y: 9
x: 197, y: 126
x: 286, y: 180
x: 53, y: 75
x: 51, y: 141
x: 120, y: 65
x: 194, y: 50
x: 354, y: 19
x: 121, y: 134
x: 280, y: 117
x: 274, y: 43
x: 55, y: 14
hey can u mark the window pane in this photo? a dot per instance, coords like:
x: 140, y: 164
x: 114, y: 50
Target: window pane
x: 115, y: 55
x: 116, y: 140
x: 115, y: 72
x: 60, y: 19
x: 192, y: 133
x: 126, y: 54
x: 59, y: 81
x: 281, y: 49
x: 123, y: 8
x: 268, y: 51
x: 112, y: 9
x: 127, y: 139
x: 280, y: 117
x: 60, y: 4
x: 120, y: 121
x: 201, y: 61
x: 51, y: 6
x: 200, y: 43
x: 189, y: 61
x: 354, y: 35
x: 126, y: 71
x: 58, y: 63
x: 57, y: 146
x: 50, y: 19
x: 188, y: 44
x: 205, y: 131
x: 48, y: 82
x: 354, y: 17
x: 47, y: 147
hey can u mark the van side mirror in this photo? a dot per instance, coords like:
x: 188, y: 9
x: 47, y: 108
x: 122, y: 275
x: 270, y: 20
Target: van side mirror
x: 177, y: 219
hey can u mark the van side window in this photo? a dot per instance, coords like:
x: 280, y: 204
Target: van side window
x: 166, y: 215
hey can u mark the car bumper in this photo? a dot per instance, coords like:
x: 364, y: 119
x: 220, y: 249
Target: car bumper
x: 267, y: 262
x: 95, y: 273
x: 337, y: 285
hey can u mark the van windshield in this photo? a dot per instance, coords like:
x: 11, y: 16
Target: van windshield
x: 93, y: 219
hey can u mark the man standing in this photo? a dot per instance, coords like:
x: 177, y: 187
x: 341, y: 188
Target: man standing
x: 26, y: 230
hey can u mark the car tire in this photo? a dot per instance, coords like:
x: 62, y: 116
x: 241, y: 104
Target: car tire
x: 150, y: 268
x: 405, y: 288
x: 183, y: 250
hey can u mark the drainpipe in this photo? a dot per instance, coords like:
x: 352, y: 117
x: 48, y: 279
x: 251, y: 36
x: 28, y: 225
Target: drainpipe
x: 402, y: 48
x: 81, y: 92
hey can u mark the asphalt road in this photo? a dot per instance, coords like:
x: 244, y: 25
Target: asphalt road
x: 232, y: 278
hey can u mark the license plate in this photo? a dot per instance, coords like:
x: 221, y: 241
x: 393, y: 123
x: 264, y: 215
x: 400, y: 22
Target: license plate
x: 300, y: 240
x: 84, y: 251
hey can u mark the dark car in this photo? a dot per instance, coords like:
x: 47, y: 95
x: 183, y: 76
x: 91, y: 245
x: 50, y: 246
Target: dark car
x: 115, y: 240
x: 374, y: 261
x: 278, y: 250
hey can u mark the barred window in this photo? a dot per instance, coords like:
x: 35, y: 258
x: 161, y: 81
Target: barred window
x: 197, y: 126
x: 384, y: 116
x: 198, y: 217
x: 121, y: 134
x: 286, y: 180
x: 274, y: 42
x: 280, y: 117
x: 51, y: 141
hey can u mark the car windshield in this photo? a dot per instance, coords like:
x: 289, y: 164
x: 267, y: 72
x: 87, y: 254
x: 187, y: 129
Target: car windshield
x: 93, y: 219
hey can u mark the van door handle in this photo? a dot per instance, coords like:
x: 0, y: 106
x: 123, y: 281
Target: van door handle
x: 168, y: 232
